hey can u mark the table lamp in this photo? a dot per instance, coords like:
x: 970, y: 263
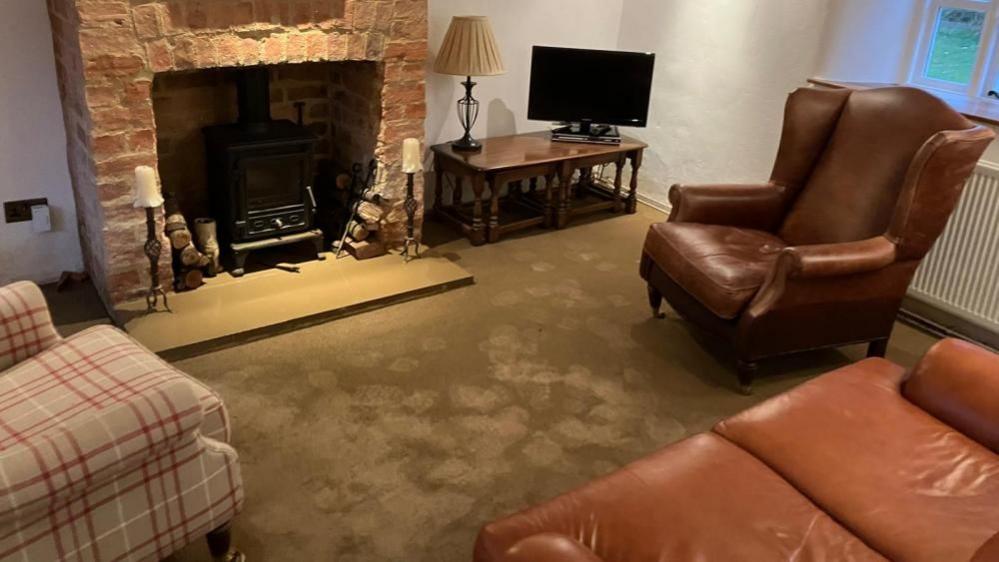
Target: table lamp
x: 469, y: 49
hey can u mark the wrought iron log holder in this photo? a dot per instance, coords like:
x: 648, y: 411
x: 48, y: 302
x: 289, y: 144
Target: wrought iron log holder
x: 153, y: 248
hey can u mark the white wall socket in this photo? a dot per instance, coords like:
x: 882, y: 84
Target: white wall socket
x: 41, y: 219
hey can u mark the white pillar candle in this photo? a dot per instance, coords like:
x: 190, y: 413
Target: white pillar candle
x: 147, y: 191
x: 412, y: 160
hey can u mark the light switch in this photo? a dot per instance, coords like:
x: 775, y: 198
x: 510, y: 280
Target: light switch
x: 41, y: 220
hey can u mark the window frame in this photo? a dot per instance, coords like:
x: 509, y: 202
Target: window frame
x: 986, y: 69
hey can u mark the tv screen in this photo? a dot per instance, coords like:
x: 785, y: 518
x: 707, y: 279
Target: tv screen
x: 580, y: 85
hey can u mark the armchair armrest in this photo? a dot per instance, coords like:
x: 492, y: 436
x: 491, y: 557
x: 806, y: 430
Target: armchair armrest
x: 847, y: 258
x: 70, y: 446
x: 25, y: 325
x: 958, y: 383
x: 749, y: 206
x: 549, y: 547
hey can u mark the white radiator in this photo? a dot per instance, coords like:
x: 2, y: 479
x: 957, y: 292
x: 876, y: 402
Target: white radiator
x: 960, y: 276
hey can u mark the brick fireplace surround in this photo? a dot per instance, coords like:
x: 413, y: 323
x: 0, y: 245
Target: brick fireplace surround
x: 109, y: 52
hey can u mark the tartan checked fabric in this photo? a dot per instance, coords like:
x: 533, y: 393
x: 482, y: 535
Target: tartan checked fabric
x: 25, y: 326
x: 105, y: 454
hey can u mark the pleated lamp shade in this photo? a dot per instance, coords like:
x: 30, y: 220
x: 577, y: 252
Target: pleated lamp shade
x: 469, y: 49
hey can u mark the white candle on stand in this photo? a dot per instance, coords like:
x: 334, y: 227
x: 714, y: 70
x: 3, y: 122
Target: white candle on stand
x: 147, y: 191
x: 412, y: 160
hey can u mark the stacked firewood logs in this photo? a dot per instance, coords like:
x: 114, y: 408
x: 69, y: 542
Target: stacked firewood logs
x: 365, y: 214
x: 189, y: 264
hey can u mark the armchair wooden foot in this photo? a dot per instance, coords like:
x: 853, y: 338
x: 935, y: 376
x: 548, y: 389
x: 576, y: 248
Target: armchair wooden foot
x: 656, y: 302
x: 747, y: 374
x: 220, y: 545
x: 878, y: 348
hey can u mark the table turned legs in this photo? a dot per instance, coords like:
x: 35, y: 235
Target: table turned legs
x: 494, y: 197
x: 564, y: 194
x: 636, y: 163
x: 478, y: 233
x: 618, y: 183
x: 549, y: 206
x: 438, y: 187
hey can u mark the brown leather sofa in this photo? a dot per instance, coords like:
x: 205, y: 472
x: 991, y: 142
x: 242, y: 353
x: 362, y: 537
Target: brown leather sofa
x: 865, y: 463
x: 821, y: 256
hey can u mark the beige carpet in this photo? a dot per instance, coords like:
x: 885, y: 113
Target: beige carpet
x: 395, y: 434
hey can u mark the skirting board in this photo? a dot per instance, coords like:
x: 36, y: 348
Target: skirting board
x: 945, y: 324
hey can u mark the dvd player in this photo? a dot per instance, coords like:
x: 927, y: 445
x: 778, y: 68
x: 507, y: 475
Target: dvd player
x: 595, y: 134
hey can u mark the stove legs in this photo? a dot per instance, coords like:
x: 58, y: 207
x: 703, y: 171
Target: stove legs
x: 240, y: 259
x: 320, y: 248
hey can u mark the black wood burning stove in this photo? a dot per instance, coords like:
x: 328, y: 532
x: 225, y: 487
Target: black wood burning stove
x: 260, y: 175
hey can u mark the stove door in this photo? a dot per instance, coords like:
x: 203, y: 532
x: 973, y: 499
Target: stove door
x: 271, y: 193
x: 273, y: 182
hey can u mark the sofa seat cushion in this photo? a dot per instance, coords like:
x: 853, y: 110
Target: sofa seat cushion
x: 908, y: 485
x: 700, y: 499
x: 721, y: 266
x: 107, y: 345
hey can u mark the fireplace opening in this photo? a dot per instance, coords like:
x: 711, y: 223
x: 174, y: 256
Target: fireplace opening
x: 258, y: 149
x: 260, y: 174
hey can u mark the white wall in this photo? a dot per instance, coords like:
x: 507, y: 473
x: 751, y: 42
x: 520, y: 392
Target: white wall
x: 723, y: 72
x: 518, y: 25
x: 33, y: 147
x: 869, y: 40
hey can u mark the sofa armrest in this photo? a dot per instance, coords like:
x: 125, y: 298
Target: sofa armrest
x: 958, y: 383
x: 549, y: 547
x: 759, y: 207
x: 53, y: 457
x: 25, y: 325
x: 847, y: 258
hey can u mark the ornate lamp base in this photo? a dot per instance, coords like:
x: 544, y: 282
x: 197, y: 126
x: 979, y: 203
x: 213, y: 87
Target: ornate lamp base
x: 468, y: 113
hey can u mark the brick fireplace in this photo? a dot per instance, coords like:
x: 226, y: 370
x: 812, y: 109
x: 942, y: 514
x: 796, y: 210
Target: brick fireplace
x: 138, y: 79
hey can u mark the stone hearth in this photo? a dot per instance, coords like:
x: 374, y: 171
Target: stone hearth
x: 109, y: 54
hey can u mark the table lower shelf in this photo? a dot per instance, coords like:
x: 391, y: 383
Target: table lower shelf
x: 526, y: 210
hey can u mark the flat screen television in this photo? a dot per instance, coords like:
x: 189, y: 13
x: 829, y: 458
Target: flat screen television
x: 588, y: 86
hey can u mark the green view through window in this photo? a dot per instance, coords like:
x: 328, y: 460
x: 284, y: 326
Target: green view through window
x: 956, y: 40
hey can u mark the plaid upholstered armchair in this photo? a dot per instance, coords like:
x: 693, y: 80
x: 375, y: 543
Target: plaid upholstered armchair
x: 106, y: 452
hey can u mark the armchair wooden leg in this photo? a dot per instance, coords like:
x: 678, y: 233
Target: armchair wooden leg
x: 220, y: 545
x: 747, y: 374
x: 656, y: 302
x: 878, y: 348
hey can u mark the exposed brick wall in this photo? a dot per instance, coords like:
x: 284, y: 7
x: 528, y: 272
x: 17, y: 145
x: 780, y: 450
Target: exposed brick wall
x: 109, y: 51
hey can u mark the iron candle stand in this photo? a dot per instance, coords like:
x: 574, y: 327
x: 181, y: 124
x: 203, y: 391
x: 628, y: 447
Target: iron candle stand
x: 153, y: 249
x: 410, y: 206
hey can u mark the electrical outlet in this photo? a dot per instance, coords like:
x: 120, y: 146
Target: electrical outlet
x: 20, y: 211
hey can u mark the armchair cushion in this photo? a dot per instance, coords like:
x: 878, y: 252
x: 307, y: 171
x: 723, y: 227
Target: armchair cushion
x: 908, y: 485
x: 25, y: 325
x: 721, y: 266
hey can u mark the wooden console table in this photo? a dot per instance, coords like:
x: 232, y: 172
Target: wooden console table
x: 514, y: 159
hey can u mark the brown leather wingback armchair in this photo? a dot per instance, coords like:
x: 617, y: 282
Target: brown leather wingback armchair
x: 822, y: 255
